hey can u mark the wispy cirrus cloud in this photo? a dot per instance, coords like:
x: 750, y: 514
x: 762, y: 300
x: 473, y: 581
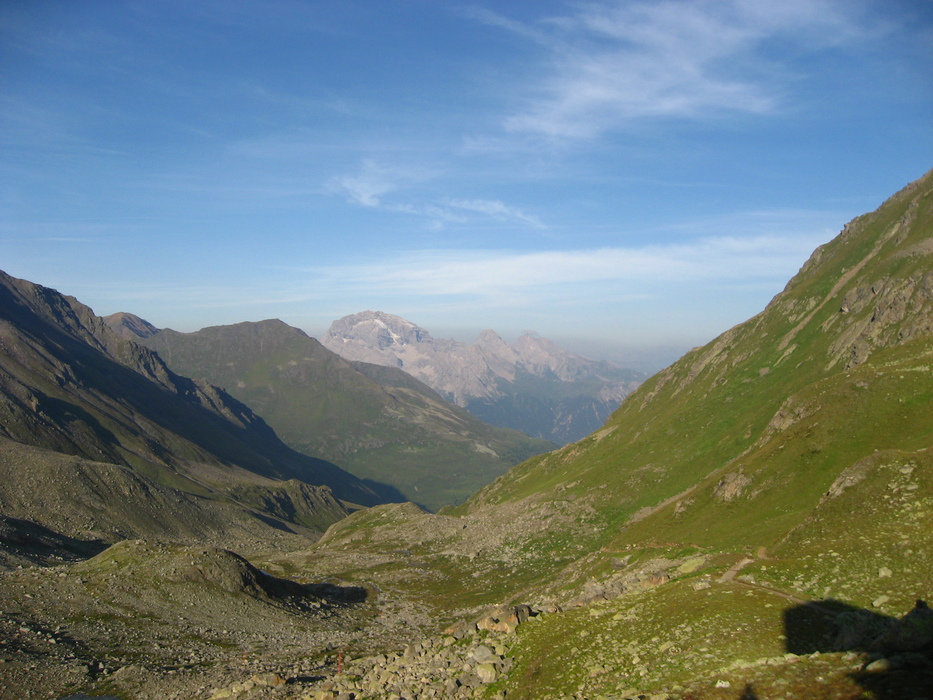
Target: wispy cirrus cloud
x: 370, y: 186
x: 613, y: 64
x: 495, y: 209
x: 367, y: 186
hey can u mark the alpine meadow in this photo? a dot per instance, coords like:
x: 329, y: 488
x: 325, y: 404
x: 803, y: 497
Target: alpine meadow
x: 753, y: 521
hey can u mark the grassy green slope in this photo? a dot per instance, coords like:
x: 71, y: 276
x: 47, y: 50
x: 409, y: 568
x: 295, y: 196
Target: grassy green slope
x: 377, y: 423
x: 798, y: 445
x: 732, y: 517
x: 733, y: 405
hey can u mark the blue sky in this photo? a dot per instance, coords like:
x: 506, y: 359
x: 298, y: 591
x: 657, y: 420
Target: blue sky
x: 612, y: 175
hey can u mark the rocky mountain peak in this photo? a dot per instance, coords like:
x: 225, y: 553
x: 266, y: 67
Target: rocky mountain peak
x: 35, y: 305
x: 540, y: 355
x: 497, y: 354
x: 129, y: 326
x: 490, y: 340
x: 375, y: 337
x: 481, y: 376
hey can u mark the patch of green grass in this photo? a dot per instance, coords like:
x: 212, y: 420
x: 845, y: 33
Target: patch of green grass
x: 871, y: 544
x: 647, y: 641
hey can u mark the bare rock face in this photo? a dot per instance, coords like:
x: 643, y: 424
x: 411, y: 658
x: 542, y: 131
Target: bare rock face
x: 453, y: 369
x: 531, y: 385
x: 731, y: 486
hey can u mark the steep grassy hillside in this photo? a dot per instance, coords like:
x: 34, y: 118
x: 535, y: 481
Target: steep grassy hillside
x: 795, y: 445
x: 376, y: 422
x: 762, y: 420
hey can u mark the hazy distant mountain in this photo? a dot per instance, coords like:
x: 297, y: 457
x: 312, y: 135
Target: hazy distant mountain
x: 377, y: 422
x: 98, y: 438
x: 531, y: 385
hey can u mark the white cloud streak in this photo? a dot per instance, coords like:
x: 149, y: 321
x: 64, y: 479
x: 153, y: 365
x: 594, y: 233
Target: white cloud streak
x: 613, y: 64
x: 494, y: 209
x: 491, y: 274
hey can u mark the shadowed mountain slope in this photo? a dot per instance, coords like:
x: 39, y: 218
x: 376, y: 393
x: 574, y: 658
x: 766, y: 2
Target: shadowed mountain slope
x: 96, y: 503
x: 376, y: 422
x: 70, y: 386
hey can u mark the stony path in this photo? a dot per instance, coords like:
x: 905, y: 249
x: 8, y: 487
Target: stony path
x: 734, y: 569
x: 762, y: 553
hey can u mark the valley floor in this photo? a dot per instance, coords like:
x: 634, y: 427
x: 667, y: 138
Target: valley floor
x: 699, y: 627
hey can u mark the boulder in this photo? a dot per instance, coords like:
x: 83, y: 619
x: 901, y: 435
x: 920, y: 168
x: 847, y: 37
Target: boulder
x: 487, y: 673
x: 270, y: 680
x: 483, y: 654
x: 504, y: 618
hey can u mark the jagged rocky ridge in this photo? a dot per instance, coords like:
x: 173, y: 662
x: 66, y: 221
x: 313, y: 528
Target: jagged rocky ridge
x: 531, y: 385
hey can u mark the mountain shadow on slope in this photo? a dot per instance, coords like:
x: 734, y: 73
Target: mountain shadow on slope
x: 84, y: 370
x: 26, y: 542
x: 546, y: 406
x: 140, y: 562
x: 900, y: 650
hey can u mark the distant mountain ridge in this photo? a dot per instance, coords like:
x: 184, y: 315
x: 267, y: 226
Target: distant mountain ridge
x: 377, y: 422
x: 531, y: 385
